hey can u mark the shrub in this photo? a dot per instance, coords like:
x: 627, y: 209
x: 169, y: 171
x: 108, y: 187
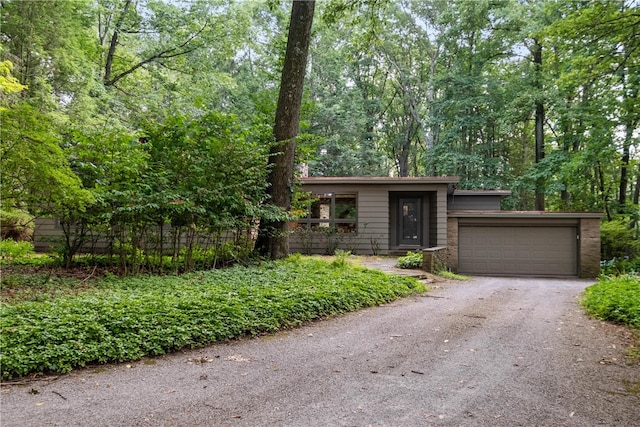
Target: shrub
x: 11, y: 249
x: 618, y: 240
x: 411, y: 260
x: 616, y: 299
x: 620, y: 266
x: 341, y: 258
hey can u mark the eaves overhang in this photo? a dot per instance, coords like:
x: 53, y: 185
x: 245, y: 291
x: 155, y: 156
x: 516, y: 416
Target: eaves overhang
x: 381, y: 180
x: 523, y: 214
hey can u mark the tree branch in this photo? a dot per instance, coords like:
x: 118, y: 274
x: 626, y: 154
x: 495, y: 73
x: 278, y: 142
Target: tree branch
x: 165, y: 54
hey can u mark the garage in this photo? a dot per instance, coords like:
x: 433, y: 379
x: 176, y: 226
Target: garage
x: 518, y: 250
x: 524, y: 244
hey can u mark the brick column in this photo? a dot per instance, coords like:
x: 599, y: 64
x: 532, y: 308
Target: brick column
x: 589, y: 265
x: 452, y: 244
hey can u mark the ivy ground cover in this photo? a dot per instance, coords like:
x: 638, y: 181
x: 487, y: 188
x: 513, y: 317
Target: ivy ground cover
x: 616, y: 299
x: 126, y: 319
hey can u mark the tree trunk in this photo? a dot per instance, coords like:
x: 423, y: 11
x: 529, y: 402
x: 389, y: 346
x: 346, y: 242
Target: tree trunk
x: 539, y: 126
x: 273, y: 236
x: 636, y: 192
x: 624, y: 167
x: 114, y: 42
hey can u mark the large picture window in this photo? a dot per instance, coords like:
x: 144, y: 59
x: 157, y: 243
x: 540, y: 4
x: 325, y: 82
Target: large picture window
x: 333, y: 210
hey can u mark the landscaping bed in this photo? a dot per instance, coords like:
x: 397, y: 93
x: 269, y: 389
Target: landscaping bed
x: 117, y: 319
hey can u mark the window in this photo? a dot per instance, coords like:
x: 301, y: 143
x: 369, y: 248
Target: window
x: 332, y: 210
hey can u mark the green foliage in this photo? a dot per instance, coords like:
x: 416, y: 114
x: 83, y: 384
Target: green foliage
x: 341, y: 258
x: 147, y: 316
x: 192, y: 87
x: 35, y: 172
x: 11, y: 249
x: 19, y: 287
x: 449, y: 275
x: 9, y: 85
x: 620, y: 266
x: 616, y: 299
x: 411, y: 260
x: 618, y: 240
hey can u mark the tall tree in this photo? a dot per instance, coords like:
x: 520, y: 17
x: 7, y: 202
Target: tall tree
x: 536, y: 52
x: 273, y: 237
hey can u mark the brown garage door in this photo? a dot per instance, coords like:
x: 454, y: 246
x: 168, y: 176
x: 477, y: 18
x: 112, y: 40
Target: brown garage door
x: 518, y: 250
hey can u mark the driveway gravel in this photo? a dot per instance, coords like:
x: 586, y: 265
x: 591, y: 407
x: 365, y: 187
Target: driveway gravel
x: 488, y: 351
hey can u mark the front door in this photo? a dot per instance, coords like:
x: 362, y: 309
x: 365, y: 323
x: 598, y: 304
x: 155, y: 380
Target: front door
x: 409, y: 224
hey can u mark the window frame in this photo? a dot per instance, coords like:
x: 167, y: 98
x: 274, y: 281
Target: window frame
x: 332, y: 222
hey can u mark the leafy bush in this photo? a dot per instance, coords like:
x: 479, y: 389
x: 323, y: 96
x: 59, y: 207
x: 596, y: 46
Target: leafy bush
x: 341, y: 258
x: 620, y: 266
x: 616, y: 299
x: 126, y: 319
x: 9, y: 248
x: 618, y: 240
x: 411, y: 260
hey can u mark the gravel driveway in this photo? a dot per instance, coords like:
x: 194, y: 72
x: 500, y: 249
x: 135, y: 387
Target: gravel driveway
x: 489, y: 351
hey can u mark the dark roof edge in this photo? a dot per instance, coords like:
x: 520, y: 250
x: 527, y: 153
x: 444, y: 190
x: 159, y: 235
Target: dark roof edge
x: 482, y: 192
x: 381, y: 180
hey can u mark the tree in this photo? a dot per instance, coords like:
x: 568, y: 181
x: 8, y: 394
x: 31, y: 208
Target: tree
x: 594, y: 111
x: 344, y: 104
x: 35, y: 173
x: 273, y: 237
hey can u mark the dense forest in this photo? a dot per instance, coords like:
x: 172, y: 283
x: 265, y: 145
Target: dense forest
x: 125, y: 114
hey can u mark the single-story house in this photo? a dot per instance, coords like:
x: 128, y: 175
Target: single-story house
x: 464, y: 230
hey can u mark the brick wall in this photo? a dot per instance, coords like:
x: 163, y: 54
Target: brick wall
x: 452, y: 244
x: 589, y: 265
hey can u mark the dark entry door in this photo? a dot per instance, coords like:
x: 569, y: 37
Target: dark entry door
x: 409, y: 224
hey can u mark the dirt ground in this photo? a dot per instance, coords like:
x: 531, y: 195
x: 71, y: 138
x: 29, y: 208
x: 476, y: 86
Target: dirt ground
x: 488, y: 351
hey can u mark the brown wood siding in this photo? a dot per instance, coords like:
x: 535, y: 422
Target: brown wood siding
x: 441, y: 220
x: 374, y: 214
x: 433, y: 219
x: 373, y: 223
x: 48, y: 234
x: 484, y: 203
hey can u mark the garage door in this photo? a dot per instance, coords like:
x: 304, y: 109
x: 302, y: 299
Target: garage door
x: 518, y: 250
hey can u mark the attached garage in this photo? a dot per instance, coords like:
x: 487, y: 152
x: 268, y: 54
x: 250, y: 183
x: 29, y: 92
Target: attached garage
x: 518, y: 250
x: 524, y: 243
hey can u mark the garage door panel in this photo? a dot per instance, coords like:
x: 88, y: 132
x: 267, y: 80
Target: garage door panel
x: 518, y: 250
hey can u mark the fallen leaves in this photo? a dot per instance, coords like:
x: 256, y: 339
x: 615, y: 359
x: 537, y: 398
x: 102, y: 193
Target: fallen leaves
x: 203, y: 359
x: 238, y: 358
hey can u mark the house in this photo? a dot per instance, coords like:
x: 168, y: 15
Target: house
x: 465, y: 230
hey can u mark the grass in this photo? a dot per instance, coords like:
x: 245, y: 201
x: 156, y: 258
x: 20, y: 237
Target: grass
x: 116, y: 319
x: 451, y: 276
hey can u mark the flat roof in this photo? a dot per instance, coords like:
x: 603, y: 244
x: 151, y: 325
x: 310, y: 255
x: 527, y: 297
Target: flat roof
x: 522, y: 214
x: 381, y: 180
x: 481, y: 192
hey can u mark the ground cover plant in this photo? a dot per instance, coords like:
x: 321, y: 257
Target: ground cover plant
x: 616, y: 299
x: 449, y: 275
x: 411, y: 260
x: 121, y: 319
